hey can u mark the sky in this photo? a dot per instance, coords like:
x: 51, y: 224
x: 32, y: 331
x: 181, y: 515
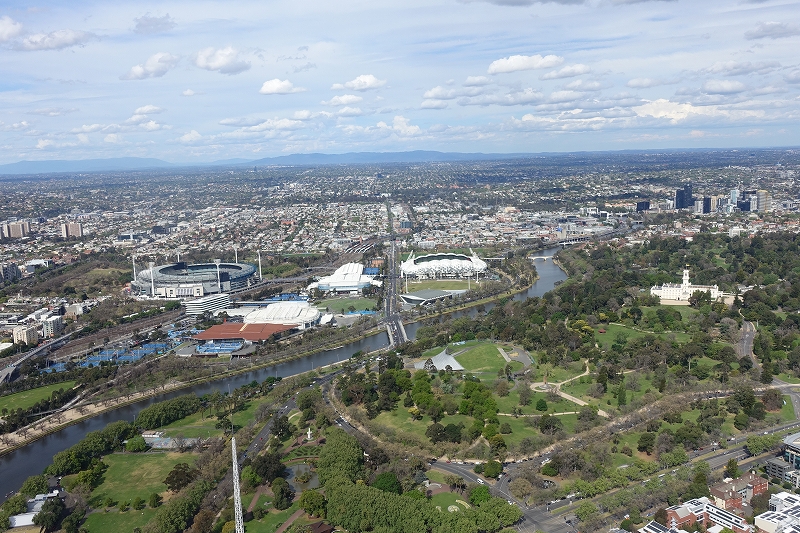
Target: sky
x: 198, y: 81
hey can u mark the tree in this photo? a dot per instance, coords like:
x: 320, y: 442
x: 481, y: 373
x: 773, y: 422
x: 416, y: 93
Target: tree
x: 646, y: 442
x: 180, y: 476
x: 388, y: 482
x: 50, y: 515
x: 313, y: 503
x: 72, y: 522
x: 34, y: 485
x: 154, y: 500
x: 137, y: 503
x: 479, y: 495
x: 622, y: 395
x: 541, y: 405
x: 268, y: 466
x: 136, y: 444
x: 250, y: 477
x: 282, y: 427
x: 520, y: 487
x: 661, y: 516
x: 436, y: 432
x: 283, y: 494
x: 525, y: 395
x: 492, y: 469
x: 732, y: 468
x: 585, y: 511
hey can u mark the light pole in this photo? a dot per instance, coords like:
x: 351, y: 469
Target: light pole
x: 236, y: 253
x: 219, y: 283
x: 260, y: 278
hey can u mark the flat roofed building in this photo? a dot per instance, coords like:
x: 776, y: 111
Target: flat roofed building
x: 52, y: 326
x: 207, y: 304
x: 349, y: 277
x: 300, y: 315
x: 25, y: 335
x: 244, y: 332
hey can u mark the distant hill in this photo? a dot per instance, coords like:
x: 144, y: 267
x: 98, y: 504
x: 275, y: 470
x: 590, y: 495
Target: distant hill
x: 83, y: 165
x: 416, y: 156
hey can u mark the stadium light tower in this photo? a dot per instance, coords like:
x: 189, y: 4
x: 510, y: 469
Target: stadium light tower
x: 133, y: 258
x: 152, y: 279
x: 260, y: 278
x: 237, y: 496
x: 219, y: 283
x: 235, y: 253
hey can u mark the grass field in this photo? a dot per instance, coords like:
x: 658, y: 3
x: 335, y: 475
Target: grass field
x: 443, y: 500
x: 337, y: 304
x: 607, y: 339
x: 102, y: 522
x: 439, y: 285
x: 202, y: 424
x: 23, y: 400
x: 272, y: 521
x: 482, y: 358
x: 136, y: 474
x: 401, y: 421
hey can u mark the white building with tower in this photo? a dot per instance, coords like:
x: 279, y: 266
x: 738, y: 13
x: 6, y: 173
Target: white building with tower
x: 682, y: 291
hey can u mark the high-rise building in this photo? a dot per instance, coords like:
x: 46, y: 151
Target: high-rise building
x: 9, y: 272
x: 683, y: 197
x: 643, y: 206
x: 25, y: 335
x: 71, y: 229
x: 706, y: 205
x: 15, y: 230
x: 680, y: 202
x: 764, y: 199
x: 734, y: 196
x: 53, y: 326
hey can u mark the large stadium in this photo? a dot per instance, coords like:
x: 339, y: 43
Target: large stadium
x: 442, y: 265
x: 181, y: 280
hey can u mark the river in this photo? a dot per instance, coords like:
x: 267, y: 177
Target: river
x: 30, y: 460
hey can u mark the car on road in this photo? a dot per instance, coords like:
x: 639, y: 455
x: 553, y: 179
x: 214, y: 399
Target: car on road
x: 482, y: 482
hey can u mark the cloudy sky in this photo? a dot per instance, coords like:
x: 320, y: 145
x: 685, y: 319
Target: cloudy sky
x: 200, y: 80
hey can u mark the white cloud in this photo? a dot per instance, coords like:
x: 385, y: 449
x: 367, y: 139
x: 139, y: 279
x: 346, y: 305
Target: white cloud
x: 569, y: 71
x: 224, y: 60
x: 344, y: 99
x: 303, y: 114
x: 9, y: 28
x: 112, y: 138
x: 52, y: 111
x: 150, y: 125
x: 772, y: 30
x: 137, y: 119
x: 564, y: 96
x: 793, y: 77
x: 363, y: 82
x: 676, y: 112
x: 239, y: 122
x: 440, y: 93
x: 350, y: 112
x: 277, y: 86
x: 148, y: 24
x: 583, y: 85
x: 645, y: 83
x: 192, y: 136
x: 148, y: 109
x: 44, y: 143
x: 518, y: 62
x: 403, y: 127
x: 156, y: 66
x: 477, y: 81
x: 188, y: 92
x: 723, y: 87
x: 277, y: 124
x: 433, y: 104
x: 737, y: 68
x: 526, y: 96
x: 55, y: 40
x: 88, y: 128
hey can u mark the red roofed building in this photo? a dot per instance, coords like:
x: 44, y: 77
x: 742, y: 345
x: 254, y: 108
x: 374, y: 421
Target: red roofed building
x: 238, y: 331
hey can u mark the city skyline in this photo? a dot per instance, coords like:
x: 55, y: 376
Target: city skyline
x: 201, y: 82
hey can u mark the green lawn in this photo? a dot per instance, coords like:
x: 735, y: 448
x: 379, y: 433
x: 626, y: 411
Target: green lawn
x: 28, y: 398
x: 444, y: 500
x: 272, y: 521
x: 607, y: 339
x: 436, y: 476
x: 202, y: 424
x: 505, y: 404
x: 303, y: 451
x: 103, y: 522
x: 788, y: 378
x: 401, y: 421
x: 787, y: 411
x: 337, y: 304
x: 482, y: 358
x: 439, y: 285
x: 136, y: 474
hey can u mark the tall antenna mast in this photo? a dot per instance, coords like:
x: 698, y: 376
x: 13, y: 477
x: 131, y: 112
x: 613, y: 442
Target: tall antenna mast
x: 237, y: 496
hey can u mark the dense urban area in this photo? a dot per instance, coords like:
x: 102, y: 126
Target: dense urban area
x: 562, y: 343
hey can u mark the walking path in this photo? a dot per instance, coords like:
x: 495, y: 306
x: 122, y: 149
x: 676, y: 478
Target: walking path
x: 557, y: 388
x: 289, y: 521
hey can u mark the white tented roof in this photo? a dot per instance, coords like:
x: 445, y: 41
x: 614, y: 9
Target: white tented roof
x: 283, y: 313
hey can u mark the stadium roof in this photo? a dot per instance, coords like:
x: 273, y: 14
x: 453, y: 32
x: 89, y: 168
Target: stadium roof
x: 284, y: 313
x: 248, y: 332
x: 425, y: 296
